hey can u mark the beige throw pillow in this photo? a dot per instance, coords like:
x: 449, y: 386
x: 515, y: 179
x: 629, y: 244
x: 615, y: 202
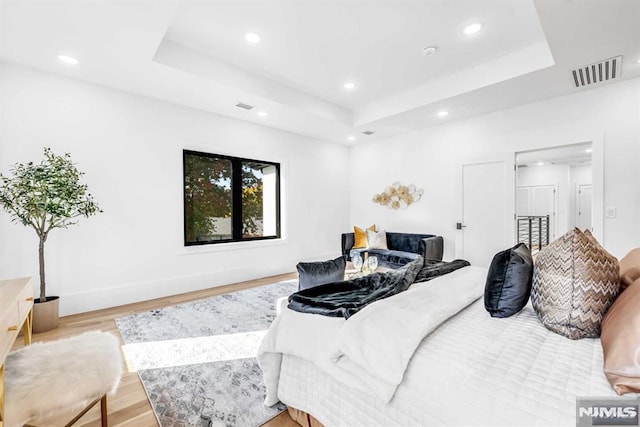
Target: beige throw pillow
x: 377, y: 239
x: 575, y: 281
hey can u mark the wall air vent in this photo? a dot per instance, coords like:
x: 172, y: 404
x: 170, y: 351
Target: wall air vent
x: 602, y: 71
x: 368, y: 132
x: 244, y: 106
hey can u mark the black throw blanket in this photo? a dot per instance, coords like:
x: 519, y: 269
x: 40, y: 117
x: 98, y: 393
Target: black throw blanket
x: 344, y: 299
x: 433, y: 269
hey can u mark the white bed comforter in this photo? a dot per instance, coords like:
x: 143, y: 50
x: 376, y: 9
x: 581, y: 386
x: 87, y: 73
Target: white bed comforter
x: 372, y: 349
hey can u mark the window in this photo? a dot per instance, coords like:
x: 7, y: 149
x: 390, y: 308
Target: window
x: 229, y: 199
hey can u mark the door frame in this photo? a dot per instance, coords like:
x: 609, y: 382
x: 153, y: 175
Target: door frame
x: 597, y: 189
x: 508, y: 159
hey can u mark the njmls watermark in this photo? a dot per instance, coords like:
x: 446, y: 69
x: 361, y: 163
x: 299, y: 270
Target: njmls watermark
x: 606, y: 411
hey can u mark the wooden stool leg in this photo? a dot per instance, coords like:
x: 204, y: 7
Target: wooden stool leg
x: 103, y: 410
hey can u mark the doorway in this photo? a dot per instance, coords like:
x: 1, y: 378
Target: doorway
x: 553, y: 193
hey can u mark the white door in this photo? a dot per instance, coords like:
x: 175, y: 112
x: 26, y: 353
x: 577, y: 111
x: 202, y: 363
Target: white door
x: 584, y: 207
x: 536, y: 200
x: 487, y: 191
x: 523, y: 208
x: 543, y: 200
x: 544, y: 203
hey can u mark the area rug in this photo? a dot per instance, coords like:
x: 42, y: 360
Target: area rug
x: 197, y: 360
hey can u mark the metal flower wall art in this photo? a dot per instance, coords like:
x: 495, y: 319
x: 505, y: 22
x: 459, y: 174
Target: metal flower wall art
x: 398, y: 196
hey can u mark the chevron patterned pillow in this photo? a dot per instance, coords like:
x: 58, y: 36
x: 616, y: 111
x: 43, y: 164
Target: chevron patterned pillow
x: 575, y: 280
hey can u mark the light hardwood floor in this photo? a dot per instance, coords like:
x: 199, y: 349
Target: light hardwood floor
x: 130, y: 406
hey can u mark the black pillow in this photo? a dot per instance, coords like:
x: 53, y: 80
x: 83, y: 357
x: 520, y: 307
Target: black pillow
x: 312, y: 274
x: 509, y: 281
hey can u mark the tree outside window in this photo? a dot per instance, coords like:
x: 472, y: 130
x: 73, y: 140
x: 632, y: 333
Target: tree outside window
x: 229, y: 198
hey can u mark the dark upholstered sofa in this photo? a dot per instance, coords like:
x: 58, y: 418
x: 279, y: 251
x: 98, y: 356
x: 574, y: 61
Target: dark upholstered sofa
x: 402, y: 248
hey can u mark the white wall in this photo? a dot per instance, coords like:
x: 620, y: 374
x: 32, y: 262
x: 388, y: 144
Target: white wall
x: 429, y: 159
x: 131, y: 150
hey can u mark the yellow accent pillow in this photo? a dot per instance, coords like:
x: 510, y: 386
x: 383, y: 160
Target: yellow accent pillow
x: 360, y: 236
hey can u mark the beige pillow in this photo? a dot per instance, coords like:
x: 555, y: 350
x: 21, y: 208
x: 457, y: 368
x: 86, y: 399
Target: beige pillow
x: 376, y: 239
x: 621, y: 341
x: 629, y: 268
x: 575, y: 281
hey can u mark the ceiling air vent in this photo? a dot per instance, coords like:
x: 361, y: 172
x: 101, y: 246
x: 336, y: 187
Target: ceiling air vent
x: 245, y: 106
x: 368, y: 132
x: 602, y: 71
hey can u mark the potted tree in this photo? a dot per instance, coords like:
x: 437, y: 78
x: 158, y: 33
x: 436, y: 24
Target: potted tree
x: 45, y: 196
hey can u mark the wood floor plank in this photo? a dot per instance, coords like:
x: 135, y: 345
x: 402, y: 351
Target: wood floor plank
x: 282, y: 420
x: 129, y: 407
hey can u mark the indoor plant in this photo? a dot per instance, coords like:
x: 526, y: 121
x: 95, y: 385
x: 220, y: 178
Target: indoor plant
x: 45, y: 196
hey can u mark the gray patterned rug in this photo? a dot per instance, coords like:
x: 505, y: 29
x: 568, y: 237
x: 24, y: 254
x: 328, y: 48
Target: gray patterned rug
x: 197, y: 360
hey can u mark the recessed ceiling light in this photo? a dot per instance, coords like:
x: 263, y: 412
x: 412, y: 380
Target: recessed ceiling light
x: 349, y: 85
x: 472, y: 28
x: 429, y: 50
x: 351, y: 138
x: 252, y: 37
x: 68, y: 59
x: 638, y: 61
x: 540, y: 163
x: 588, y: 150
x: 262, y: 113
x: 443, y: 113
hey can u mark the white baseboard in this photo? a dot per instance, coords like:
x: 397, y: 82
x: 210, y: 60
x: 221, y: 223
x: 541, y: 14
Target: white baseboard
x: 96, y: 299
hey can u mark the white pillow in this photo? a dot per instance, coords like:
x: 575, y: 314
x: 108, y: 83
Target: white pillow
x: 376, y: 239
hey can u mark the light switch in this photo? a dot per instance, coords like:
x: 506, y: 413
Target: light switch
x: 609, y: 212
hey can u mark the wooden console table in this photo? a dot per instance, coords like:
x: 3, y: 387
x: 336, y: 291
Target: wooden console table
x: 16, y: 311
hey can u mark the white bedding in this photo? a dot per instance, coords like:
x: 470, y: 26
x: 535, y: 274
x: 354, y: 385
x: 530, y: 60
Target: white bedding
x: 378, y: 342
x: 372, y: 349
x: 472, y: 370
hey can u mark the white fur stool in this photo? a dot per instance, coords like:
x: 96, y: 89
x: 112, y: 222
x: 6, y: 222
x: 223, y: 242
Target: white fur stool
x: 46, y: 380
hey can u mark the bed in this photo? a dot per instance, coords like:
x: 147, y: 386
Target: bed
x: 458, y: 367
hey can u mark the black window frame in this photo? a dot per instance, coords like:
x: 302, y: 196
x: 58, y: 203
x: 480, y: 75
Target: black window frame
x: 236, y: 199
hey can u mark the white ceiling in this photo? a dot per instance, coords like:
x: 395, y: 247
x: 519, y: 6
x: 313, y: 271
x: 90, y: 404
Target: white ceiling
x: 194, y: 53
x: 316, y: 46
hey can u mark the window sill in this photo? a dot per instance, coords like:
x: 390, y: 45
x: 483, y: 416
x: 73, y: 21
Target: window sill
x: 231, y: 246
